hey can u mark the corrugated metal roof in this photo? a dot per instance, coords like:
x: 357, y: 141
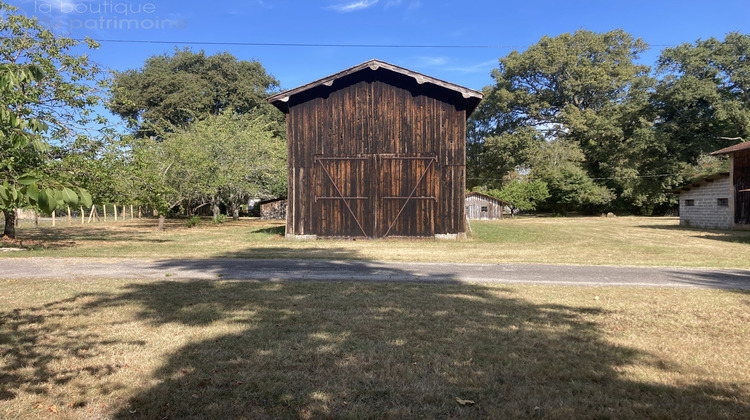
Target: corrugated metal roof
x: 732, y: 149
x: 474, y: 96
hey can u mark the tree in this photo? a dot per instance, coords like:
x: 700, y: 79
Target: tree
x: 522, y: 195
x: 558, y: 164
x: 703, y: 99
x: 584, y: 88
x: 224, y: 159
x: 43, y: 89
x: 172, y: 91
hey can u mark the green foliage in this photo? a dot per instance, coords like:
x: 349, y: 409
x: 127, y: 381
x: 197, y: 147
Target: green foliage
x: 522, y: 195
x: 219, y: 219
x: 703, y: 100
x: 585, y: 91
x: 43, y: 91
x: 558, y: 163
x: 172, y: 91
x: 193, y: 221
x: 224, y: 159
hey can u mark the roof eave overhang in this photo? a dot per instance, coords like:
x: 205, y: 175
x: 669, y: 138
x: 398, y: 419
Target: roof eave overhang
x: 473, y: 97
x: 732, y: 149
x: 699, y: 182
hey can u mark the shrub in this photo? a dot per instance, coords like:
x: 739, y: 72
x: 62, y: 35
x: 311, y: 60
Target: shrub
x: 193, y: 221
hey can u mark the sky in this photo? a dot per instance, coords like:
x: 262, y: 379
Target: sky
x: 457, y: 41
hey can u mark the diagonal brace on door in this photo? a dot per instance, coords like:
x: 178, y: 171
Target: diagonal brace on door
x: 342, y: 198
x: 414, y: 190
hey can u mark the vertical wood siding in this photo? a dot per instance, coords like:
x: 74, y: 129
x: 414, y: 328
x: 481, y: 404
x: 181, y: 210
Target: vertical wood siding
x: 375, y: 138
x: 741, y: 181
x: 474, y: 205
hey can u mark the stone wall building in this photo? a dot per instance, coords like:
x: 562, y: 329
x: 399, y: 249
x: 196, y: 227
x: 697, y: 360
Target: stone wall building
x: 705, y: 203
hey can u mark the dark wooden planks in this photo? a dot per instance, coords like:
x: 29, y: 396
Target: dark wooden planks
x: 741, y: 181
x: 380, y: 120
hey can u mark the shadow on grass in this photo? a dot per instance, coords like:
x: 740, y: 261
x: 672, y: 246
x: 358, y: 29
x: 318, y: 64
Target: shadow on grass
x: 361, y: 349
x: 275, y: 230
x: 27, y: 363
x: 733, y: 236
x: 729, y: 279
x: 65, y: 236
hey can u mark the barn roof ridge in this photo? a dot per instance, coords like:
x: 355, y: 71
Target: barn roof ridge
x: 745, y: 145
x: 375, y: 64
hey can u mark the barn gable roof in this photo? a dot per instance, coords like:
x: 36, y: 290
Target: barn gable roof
x: 731, y: 149
x: 472, y: 97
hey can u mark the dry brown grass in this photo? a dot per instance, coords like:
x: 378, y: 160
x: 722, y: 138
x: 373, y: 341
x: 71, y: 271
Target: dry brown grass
x: 638, y: 241
x: 232, y: 349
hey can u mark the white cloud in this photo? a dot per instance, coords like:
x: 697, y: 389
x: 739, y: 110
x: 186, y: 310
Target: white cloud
x: 483, y: 67
x: 432, y: 61
x: 413, y: 4
x: 354, y: 6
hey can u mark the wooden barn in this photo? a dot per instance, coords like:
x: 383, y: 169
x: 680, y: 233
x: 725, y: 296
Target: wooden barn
x: 376, y: 151
x: 739, y: 179
x: 483, y: 207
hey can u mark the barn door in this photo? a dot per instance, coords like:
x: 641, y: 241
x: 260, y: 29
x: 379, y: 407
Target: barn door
x: 407, y: 192
x: 343, y: 199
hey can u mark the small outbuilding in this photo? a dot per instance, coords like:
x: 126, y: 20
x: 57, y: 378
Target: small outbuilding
x: 704, y: 203
x: 483, y: 207
x: 376, y: 150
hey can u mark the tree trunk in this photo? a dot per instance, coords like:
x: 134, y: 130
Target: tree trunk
x: 235, y: 212
x: 10, y: 224
x: 216, y: 209
x: 161, y: 222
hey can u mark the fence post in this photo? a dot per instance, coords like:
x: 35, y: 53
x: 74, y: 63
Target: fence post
x: 104, y: 207
x: 114, y: 208
x: 83, y: 215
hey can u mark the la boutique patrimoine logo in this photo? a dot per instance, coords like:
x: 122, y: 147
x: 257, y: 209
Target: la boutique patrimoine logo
x: 107, y: 15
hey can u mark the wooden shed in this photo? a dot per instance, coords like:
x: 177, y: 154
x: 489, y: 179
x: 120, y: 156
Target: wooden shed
x: 483, y: 207
x: 376, y: 150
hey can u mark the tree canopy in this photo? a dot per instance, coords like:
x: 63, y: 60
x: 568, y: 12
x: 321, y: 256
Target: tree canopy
x: 46, y: 93
x: 629, y: 136
x: 171, y: 91
x: 223, y: 159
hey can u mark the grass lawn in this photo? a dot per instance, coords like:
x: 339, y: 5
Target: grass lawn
x: 638, y: 241
x: 242, y: 349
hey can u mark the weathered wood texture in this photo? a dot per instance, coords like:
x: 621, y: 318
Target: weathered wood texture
x: 483, y: 207
x: 741, y: 170
x: 376, y: 154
